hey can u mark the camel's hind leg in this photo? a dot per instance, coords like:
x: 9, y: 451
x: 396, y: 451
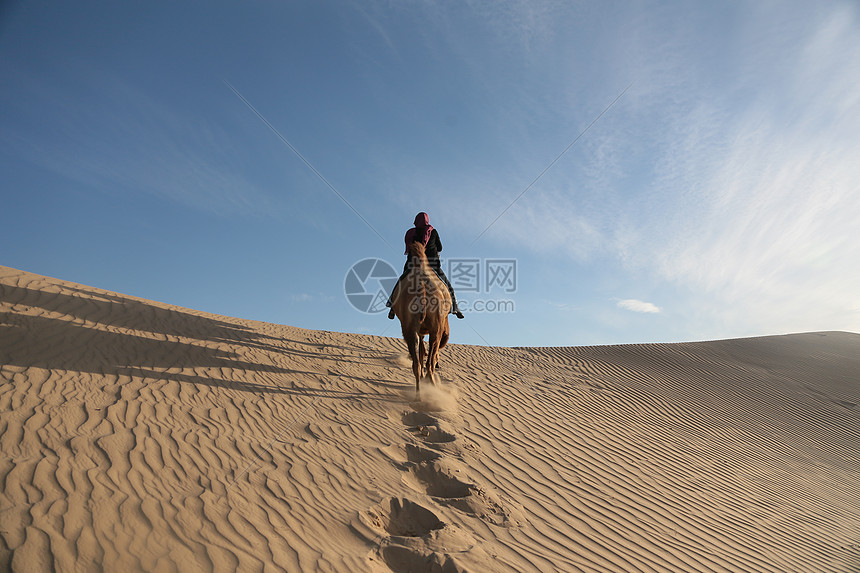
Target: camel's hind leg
x: 413, y: 342
x: 422, y: 353
x: 442, y: 344
x: 432, y: 358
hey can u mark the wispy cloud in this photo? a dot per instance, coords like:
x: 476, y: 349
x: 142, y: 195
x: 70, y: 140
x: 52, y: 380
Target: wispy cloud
x: 736, y: 183
x: 634, y: 305
x: 769, y: 232
x: 318, y: 297
x: 561, y: 305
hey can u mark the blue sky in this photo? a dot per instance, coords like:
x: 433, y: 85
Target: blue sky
x: 716, y: 198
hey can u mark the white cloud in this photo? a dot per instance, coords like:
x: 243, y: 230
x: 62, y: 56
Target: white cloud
x: 638, y: 306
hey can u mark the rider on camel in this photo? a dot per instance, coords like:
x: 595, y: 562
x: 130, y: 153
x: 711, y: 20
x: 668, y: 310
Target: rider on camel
x: 424, y: 233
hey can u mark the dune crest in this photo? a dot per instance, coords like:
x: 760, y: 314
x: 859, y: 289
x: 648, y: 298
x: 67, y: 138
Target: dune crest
x: 140, y: 436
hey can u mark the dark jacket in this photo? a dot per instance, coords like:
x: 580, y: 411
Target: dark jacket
x: 433, y: 248
x: 417, y: 233
x: 434, y: 245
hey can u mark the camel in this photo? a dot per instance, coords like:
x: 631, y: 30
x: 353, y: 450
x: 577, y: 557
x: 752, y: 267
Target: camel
x: 421, y: 303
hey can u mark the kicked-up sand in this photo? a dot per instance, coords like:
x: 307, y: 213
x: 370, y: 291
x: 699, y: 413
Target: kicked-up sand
x: 140, y: 436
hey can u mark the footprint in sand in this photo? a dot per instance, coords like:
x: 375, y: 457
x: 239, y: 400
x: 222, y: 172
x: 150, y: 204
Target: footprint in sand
x: 403, y: 559
x: 426, y: 428
x: 429, y: 473
x: 418, y: 419
x: 401, y: 517
x: 430, y: 478
x: 414, y: 539
x: 411, y: 537
x: 417, y: 454
x: 449, y: 487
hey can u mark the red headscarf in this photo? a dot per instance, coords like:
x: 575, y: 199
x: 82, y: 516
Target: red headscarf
x: 421, y: 231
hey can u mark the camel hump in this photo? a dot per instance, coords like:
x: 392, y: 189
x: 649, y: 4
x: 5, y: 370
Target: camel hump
x: 417, y: 249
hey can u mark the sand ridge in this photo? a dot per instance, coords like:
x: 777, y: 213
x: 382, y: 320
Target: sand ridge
x: 140, y: 436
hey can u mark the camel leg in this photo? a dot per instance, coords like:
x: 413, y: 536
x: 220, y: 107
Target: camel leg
x: 442, y: 343
x: 412, y: 343
x: 422, y: 353
x: 432, y: 357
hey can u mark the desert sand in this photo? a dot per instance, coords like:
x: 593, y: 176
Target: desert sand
x: 140, y: 436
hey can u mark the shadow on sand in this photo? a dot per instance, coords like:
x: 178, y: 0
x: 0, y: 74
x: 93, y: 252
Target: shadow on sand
x: 145, y: 349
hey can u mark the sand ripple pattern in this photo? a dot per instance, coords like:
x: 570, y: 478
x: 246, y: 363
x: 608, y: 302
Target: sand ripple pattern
x: 719, y: 456
x: 140, y: 436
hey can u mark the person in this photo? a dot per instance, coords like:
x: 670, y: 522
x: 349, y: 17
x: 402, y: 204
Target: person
x: 424, y: 232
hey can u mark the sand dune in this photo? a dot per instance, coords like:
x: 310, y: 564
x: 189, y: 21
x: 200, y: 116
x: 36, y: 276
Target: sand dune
x: 139, y: 436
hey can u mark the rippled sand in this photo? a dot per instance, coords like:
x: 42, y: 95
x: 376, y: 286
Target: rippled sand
x: 140, y: 436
